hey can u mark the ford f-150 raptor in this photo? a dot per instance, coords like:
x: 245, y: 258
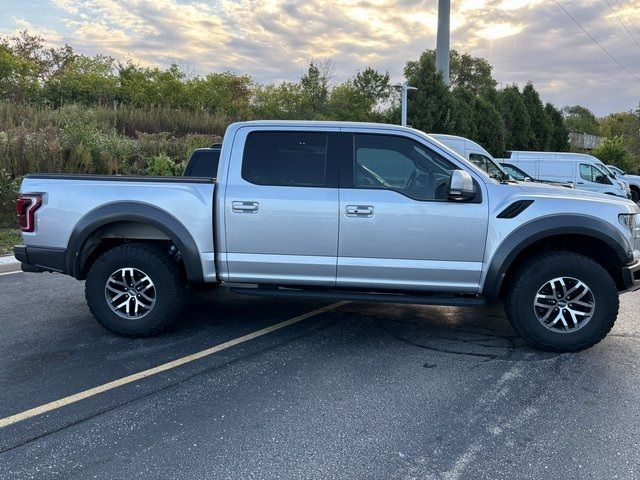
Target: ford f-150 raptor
x: 355, y: 211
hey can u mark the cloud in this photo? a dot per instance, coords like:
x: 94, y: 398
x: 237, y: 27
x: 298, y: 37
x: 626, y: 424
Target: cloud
x: 272, y: 40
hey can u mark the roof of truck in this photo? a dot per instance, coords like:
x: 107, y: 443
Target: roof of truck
x: 321, y: 123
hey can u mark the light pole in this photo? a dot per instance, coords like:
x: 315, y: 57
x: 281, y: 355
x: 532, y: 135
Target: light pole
x: 405, y: 88
x: 444, y: 38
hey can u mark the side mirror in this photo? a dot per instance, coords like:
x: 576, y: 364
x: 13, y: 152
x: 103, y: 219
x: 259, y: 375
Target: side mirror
x: 528, y: 179
x: 461, y: 187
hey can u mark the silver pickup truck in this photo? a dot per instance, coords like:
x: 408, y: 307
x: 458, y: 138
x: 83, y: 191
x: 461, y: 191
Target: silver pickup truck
x: 354, y: 211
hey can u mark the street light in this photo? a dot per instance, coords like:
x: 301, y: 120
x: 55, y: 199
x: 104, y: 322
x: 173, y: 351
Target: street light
x: 405, y: 88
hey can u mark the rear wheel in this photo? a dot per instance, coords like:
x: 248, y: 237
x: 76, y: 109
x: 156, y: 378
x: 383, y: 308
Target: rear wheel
x: 562, y: 302
x: 135, y: 290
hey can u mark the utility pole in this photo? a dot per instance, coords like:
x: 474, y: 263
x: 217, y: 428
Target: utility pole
x: 444, y: 39
x: 405, y: 88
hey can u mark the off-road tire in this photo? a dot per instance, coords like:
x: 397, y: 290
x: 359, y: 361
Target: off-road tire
x: 534, y: 273
x: 164, y: 271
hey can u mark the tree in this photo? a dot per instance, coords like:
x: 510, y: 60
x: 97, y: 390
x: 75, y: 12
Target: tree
x: 373, y: 85
x: 559, y: 139
x: 430, y: 106
x: 580, y: 119
x: 516, y: 118
x: 82, y: 79
x: 18, y: 77
x: 348, y: 102
x: 540, y: 138
x: 613, y: 152
x: 625, y: 125
x: 315, y: 88
x: 473, y: 73
x: 491, y: 132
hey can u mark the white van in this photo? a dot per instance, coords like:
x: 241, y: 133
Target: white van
x: 472, y: 152
x: 476, y: 154
x: 584, y: 171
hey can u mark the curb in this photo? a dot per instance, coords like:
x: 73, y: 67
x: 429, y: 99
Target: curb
x: 8, y: 263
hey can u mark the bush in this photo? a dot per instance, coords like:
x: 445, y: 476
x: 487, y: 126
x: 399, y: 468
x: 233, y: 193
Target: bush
x: 164, y: 166
x: 8, y: 194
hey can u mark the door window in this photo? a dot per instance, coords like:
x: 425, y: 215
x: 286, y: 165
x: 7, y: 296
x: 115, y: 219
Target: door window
x: 593, y: 174
x: 287, y: 159
x: 400, y: 164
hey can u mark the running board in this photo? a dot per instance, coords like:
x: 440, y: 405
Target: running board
x: 435, y: 299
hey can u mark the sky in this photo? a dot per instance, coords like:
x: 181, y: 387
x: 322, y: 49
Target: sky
x: 273, y: 40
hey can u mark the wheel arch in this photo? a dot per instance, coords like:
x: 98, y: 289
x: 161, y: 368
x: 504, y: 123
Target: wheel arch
x: 578, y: 233
x: 130, y: 221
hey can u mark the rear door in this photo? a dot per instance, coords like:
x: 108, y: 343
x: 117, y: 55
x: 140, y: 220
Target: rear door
x: 281, y: 207
x: 398, y: 230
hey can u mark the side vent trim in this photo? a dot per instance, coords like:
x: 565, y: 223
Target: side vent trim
x: 515, y: 209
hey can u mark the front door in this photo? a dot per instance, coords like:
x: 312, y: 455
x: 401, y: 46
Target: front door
x: 398, y: 230
x: 281, y: 209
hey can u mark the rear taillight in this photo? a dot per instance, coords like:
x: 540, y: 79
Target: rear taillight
x: 26, y: 207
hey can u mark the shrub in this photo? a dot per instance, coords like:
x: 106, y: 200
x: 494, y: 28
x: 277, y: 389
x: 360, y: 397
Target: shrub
x: 8, y: 192
x: 163, y: 165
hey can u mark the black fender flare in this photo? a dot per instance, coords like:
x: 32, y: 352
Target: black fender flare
x: 547, y: 227
x: 133, y: 212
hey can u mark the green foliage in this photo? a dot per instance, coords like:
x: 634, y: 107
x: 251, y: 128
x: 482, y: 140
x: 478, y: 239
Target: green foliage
x: 163, y: 165
x: 516, y: 118
x: 559, y: 133
x: 8, y: 193
x: 431, y: 104
x: 491, y: 132
x: 626, y: 125
x: 580, y: 119
x: 614, y: 152
x: 541, y: 126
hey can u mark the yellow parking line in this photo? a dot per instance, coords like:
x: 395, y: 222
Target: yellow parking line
x: 18, y: 417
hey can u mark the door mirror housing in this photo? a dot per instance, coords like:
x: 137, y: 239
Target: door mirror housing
x: 461, y: 187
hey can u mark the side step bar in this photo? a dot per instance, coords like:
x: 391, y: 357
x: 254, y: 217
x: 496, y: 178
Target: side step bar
x: 434, y: 299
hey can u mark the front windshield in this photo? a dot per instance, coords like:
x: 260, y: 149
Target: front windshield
x: 488, y: 165
x: 615, y: 170
x: 608, y: 172
x: 515, y: 172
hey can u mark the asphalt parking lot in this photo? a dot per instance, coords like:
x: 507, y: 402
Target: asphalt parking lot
x: 354, y: 391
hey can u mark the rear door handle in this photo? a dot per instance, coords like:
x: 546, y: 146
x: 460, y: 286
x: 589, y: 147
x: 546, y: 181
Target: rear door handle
x: 245, y: 207
x: 360, y: 211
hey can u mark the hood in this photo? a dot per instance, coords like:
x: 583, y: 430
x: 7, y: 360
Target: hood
x: 631, y: 177
x: 569, y: 193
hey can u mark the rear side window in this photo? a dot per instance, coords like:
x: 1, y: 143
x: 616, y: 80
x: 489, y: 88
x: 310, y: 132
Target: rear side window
x: 287, y: 159
x: 203, y: 163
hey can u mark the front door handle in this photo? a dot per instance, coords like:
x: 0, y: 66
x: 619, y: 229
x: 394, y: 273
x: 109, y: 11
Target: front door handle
x: 245, y: 207
x: 360, y: 211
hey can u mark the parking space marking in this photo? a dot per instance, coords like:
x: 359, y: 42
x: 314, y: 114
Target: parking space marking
x: 33, y: 412
x: 11, y: 273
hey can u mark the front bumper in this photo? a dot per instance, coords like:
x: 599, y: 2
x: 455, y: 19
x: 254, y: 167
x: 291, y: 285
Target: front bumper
x: 631, y: 277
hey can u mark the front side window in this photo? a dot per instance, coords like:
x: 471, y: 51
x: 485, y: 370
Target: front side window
x: 400, y: 164
x: 287, y: 159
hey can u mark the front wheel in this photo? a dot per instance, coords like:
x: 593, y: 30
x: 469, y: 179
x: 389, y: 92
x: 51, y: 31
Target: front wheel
x: 635, y: 195
x: 562, y: 302
x: 135, y: 290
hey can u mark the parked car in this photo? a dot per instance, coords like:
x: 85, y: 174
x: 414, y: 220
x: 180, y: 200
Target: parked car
x: 632, y: 180
x: 417, y: 224
x: 476, y: 154
x: 584, y: 171
x: 522, y: 176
